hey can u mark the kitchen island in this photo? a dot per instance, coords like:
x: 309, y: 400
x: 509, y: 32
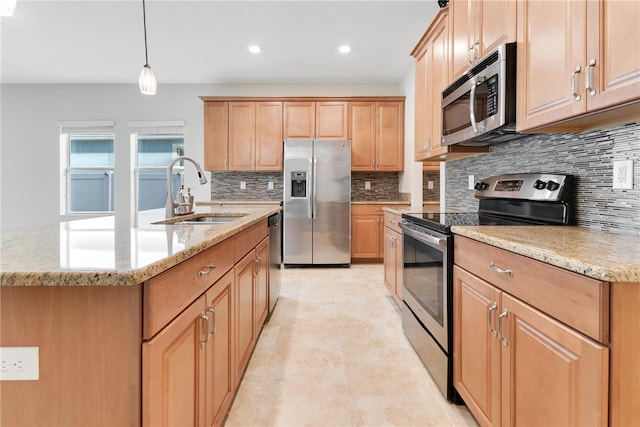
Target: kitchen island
x: 134, y: 324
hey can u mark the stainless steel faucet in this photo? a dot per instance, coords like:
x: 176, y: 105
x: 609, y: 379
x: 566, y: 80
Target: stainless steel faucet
x: 171, y: 204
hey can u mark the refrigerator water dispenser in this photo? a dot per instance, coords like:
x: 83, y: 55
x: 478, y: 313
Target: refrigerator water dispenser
x: 298, y: 184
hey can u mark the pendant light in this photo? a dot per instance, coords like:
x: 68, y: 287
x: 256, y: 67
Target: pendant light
x: 146, y: 81
x: 7, y: 7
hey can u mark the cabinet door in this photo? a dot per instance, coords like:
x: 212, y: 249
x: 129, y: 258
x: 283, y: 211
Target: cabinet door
x: 219, y: 385
x: 423, y: 104
x: 551, y: 45
x: 476, y: 350
x: 389, y: 136
x: 242, y: 136
x: 172, y: 371
x: 262, y: 284
x: 565, y: 371
x: 244, y: 312
x: 439, y: 82
x: 496, y: 23
x: 269, y: 136
x: 362, y: 132
x: 299, y: 120
x: 365, y: 236
x: 462, y: 36
x: 216, y: 135
x: 613, y: 45
x: 331, y: 120
x: 389, y: 260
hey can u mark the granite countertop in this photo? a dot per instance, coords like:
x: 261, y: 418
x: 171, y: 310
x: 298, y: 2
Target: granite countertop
x: 408, y: 209
x: 597, y: 254
x: 380, y: 202
x: 105, y: 252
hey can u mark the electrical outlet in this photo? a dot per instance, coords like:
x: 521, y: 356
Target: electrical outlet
x: 270, y: 185
x: 623, y: 174
x: 367, y: 185
x: 429, y: 185
x: 243, y: 185
x: 19, y: 364
x: 472, y: 182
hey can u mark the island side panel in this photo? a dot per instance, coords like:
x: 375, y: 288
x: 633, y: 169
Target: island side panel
x: 89, y: 341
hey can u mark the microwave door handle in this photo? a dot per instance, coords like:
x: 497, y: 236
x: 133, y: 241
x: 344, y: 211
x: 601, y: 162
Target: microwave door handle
x: 472, y: 105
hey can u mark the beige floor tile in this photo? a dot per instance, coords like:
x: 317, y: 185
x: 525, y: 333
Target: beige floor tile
x: 334, y: 354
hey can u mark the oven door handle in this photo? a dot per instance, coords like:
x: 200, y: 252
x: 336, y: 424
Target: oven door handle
x: 423, y: 237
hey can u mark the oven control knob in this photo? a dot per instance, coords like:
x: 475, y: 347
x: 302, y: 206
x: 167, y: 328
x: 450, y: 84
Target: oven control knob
x: 481, y: 186
x: 552, y: 185
x: 540, y: 185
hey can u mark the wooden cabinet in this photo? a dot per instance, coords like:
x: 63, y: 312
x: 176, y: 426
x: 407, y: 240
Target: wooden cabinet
x: 367, y: 232
x: 216, y: 136
x: 262, y: 284
x: 514, y: 364
x: 376, y: 131
x: 432, y: 77
x: 243, y: 136
x: 315, y: 120
x: 576, y: 58
x: 187, y: 375
x: 392, y: 253
x: 477, y: 27
x: 244, y: 312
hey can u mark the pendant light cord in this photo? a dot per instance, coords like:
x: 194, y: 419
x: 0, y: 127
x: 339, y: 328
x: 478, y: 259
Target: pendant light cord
x: 144, y: 23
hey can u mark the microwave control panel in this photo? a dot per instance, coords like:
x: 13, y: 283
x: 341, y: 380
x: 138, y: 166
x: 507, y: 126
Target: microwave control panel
x: 492, y: 95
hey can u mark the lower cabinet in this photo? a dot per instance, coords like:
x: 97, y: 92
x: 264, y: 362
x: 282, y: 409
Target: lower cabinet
x: 367, y: 232
x: 393, y: 256
x: 191, y: 367
x: 515, y: 365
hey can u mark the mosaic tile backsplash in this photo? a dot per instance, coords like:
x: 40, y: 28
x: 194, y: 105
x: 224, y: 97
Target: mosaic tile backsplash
x: 588, y: 156
x: 226, y: 186
x: 430, y: 195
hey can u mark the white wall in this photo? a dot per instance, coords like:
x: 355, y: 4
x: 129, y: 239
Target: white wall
x: 29, y: 134
x: 411, y: 178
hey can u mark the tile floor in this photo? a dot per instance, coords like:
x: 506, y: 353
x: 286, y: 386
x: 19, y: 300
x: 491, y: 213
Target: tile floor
x: 334, y: 354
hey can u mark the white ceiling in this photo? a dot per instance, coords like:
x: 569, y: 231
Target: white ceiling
x: 89, y: 41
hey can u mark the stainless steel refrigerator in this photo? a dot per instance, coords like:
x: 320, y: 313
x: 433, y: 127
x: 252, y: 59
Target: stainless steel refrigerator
x: 317, y: 201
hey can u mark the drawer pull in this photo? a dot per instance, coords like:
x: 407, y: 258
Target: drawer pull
x: 500, y: 270
x: 493, y: 331
x: 209, y: 269
x: 504, y: 314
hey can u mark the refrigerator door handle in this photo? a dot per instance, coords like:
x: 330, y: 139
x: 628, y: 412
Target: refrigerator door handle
x: 315, y: 187
x: 312, y: 184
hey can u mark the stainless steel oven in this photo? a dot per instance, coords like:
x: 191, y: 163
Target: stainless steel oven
x: 427, y: 317
x: 427, y: 269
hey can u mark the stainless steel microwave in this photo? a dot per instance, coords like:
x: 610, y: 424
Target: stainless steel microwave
x: 480, y: 106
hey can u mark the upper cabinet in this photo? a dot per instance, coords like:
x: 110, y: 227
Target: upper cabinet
x: 243, y: 136
x: 477, y: 27
x: 577, y: 57
x: 376, y: 131
x: 432, y: 77
x: 315, y: 120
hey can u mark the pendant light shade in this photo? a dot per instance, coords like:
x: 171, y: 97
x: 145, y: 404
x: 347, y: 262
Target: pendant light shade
x: 147, y: 80
x: 7, y: 7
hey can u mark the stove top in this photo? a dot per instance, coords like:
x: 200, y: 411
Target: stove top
x: 442, y: 221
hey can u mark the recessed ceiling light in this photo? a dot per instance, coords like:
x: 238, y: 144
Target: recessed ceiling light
x: 254, y: 49
x: 344, y: 48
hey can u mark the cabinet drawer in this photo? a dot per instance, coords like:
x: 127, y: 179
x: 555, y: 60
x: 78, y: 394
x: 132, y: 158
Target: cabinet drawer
x: 578, y: 301
x: 392, y: 221
x: 248, y: 239
x: 167, y: 294
x: 366, y: 209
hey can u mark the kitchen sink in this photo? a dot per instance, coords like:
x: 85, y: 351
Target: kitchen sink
x: 206, y: 219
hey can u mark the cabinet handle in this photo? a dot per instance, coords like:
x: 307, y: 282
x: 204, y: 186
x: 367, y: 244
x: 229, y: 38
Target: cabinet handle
x: 493, y: 331
x: 427, y: 144
x: 590, y: 89
x: 504, y: 314
x: 576, y: 95
x: 469, y: 60
x: 206, y: 328
x: 255, y: 270
x: 500, y: 270
x: 209, y: 269
x: 212, y: 310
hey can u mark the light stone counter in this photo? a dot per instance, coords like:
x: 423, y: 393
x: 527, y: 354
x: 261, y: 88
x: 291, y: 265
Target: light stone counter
x: 600, y: 255
x: 380, y: 202
x: 102, y: 252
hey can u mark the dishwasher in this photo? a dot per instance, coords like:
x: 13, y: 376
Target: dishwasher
x: 275, y: 259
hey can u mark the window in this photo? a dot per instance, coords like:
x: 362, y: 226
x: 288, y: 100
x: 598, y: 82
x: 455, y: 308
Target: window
x: 153, y: 146
x: 87, y: 162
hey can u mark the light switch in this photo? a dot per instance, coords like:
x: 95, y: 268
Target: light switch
x: 243, y: 185
x: 367, y: 185
x: 270, y: 185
